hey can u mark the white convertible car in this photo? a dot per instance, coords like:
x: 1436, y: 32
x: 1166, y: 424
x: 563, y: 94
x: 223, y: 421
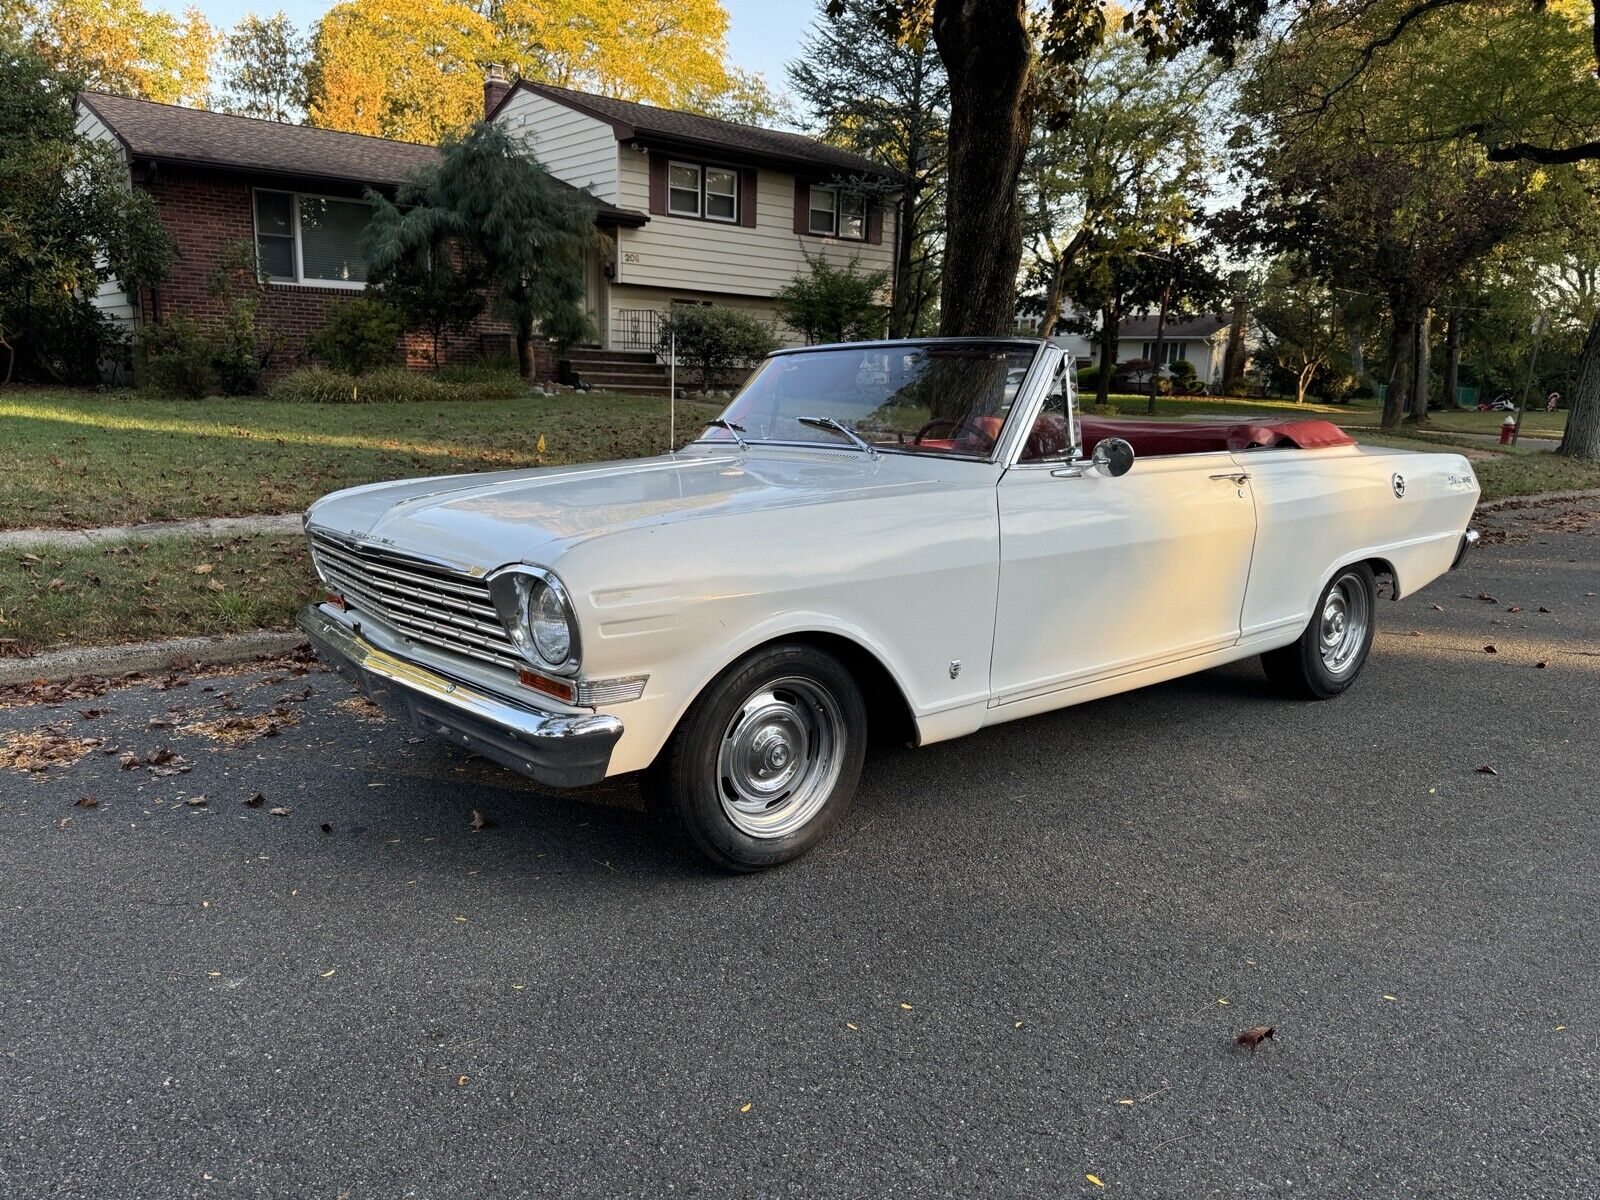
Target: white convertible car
x: 918, y: 538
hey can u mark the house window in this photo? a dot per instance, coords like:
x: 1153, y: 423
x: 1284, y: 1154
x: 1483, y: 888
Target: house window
x: 722, y: 194
x: 824, y: 211
x: 1171, y: 352
x: 683, y: 189
x: 311, y: 239
x: 853, y: 217
x: 836, y: 215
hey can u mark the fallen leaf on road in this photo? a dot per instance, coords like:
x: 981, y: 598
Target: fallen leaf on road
x: 329, y: 974
x: 479, y: 821
x: 196, y: 801
x: 255, y: 801
x: 64, y: 822
x: 1486, y: 769
x: 1254, y: 1036
x: 280, y: 812
x: 461, y: 1081
x: 326, y: 828
x: 1515, y: 608
x: 1543, y: 609
x: 1541, y: 664
x: 1487, y: 599
x: 1489, y: 649
x: 746, y: 1108
x: 1094, y: 1179
x: 1126, y: 1103
x: 1438, y: 608
x: 907, y: 1006
x: 86, y: 802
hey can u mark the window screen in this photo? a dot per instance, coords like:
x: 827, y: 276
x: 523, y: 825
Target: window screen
x: 275, y: 234
x: 330, y: 239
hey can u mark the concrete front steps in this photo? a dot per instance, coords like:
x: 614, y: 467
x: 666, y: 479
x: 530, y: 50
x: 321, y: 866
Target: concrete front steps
x: 635, y: 371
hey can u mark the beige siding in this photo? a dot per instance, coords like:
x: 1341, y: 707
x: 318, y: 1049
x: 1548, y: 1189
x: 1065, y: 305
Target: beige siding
x: 626, y: 301
x: 574, y: 147
x: 723, y: 259
x: 110, y: 299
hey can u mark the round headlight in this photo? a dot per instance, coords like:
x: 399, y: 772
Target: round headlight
x: 547, y: 623
x: 537, y: 617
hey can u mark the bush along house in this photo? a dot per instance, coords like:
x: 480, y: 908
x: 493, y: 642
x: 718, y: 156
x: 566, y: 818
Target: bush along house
x: 695, y: 211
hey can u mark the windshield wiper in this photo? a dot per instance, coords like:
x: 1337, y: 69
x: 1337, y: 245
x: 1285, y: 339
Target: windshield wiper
x: 833, y: 426
x: 736, y: 430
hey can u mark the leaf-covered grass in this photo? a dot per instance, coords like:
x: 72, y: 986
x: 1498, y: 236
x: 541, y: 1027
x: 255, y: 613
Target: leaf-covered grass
x: 75, y: 459
x: 147, y: 590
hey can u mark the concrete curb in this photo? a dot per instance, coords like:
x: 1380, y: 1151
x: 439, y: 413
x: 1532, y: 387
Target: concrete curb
x: 1514, y: 502
x: 77, y: 539
x: 149, y: 657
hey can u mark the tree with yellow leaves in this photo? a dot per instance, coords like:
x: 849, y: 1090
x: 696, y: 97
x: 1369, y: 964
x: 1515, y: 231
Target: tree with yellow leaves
x: 667, y: 52
x: 121, y: 46
x: 407, y: 69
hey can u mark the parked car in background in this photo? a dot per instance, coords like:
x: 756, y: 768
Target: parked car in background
x: 919, y: 539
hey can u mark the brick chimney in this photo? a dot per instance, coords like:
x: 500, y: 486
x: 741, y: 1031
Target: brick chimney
x: 495, y: 87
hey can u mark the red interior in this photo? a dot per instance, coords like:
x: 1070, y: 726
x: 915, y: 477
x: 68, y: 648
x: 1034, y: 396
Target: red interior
x: 1048, y: 437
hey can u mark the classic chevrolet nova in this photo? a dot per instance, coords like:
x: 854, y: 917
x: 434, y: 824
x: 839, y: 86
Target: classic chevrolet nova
x: 915, y: 538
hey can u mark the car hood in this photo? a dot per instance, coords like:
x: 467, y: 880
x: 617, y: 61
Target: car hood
x: 487, y: 520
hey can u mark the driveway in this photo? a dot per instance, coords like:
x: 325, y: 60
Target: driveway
x: 1022, y: 963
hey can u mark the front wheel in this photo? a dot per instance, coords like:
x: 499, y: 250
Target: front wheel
x: 765, y: 763
x: 1331, y: 652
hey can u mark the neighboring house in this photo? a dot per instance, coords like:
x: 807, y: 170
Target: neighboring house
x: 694, y: 210
x: 292, y: 192
x: 1202, y: 341
x: 733, y: 209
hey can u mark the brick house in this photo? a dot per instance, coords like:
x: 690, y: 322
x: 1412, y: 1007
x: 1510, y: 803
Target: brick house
x: 292, y: 192
x: 695, y: 210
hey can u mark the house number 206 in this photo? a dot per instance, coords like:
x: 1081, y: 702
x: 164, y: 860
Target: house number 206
x: 629, y: 256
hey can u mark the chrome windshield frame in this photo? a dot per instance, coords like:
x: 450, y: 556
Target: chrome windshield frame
x: 1030, y: 395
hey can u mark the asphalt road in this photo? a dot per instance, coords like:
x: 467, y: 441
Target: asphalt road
x: 1015, y: 935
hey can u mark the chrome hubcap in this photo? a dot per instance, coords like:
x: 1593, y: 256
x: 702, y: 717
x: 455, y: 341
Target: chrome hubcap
x: 1345, y: 616
x: 779, y: 758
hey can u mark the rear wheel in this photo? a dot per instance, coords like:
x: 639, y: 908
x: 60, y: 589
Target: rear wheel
x: 1334, y: 647
x: 765, y: 763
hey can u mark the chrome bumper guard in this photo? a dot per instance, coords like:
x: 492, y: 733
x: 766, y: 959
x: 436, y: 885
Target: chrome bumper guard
x: 1469, y: 539
x: 553, y: 749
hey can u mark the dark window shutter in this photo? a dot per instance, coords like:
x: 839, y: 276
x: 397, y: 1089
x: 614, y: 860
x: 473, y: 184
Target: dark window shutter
x: 875, y: 225
x: 658, y: 183
x: 747, y: 196
x: 802, y: 206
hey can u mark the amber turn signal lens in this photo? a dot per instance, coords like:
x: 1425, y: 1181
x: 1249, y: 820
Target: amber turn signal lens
x: 558, y: 688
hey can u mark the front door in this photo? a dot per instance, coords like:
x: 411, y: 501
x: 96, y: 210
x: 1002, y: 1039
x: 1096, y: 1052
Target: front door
x: 1100, y: 576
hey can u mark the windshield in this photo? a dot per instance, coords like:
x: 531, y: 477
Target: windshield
x: 944, y: 398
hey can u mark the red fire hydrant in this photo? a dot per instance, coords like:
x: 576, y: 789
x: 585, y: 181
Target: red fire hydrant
x: 1507, y: 428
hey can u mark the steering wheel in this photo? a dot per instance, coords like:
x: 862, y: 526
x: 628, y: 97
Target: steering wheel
x: 953, y: 426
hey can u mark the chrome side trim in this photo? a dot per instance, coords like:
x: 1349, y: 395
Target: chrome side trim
x: 554, y: 749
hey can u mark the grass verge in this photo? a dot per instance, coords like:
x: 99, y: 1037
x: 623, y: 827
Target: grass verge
x: 71, y: 460
x: 145, y: 591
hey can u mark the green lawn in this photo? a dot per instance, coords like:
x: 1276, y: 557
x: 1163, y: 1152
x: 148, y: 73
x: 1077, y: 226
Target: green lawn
x: 76, y: 459
x: 139, y: 591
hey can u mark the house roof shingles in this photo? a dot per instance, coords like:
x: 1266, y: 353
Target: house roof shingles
x: 1178, y: 328
x: 171, y: 133
x: 630, y: 119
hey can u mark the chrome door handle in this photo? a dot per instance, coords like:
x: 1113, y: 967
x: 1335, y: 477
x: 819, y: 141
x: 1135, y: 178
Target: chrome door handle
x: 1234, y: 476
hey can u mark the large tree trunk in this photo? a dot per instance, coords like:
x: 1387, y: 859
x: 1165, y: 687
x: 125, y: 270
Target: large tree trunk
x: 1452, y: 360
x: 1421, y: 367
x: 1394, y: 401
x: 1108, y: 356
x: 1052, y: 300
x: 902, y: 314
x: 1233, y: 357
x: 988, y: 54
x: 1582, y: 439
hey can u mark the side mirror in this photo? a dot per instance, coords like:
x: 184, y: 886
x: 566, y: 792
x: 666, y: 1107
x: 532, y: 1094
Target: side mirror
x: 1114, y: 456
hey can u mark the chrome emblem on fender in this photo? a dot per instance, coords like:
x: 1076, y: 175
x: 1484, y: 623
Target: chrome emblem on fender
x: 1398, y: 482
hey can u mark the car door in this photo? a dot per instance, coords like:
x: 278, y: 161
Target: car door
x: 1101, y: 576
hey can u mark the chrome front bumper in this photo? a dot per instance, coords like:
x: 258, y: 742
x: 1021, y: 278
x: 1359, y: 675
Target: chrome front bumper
x: 1469, y: 539
x: 554, y: 749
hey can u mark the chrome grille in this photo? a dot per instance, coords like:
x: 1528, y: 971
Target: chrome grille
x: 421, y: 601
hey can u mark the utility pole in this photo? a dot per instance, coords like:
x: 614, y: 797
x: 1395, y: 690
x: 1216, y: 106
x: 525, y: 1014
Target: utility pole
x: 1539, y: 324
